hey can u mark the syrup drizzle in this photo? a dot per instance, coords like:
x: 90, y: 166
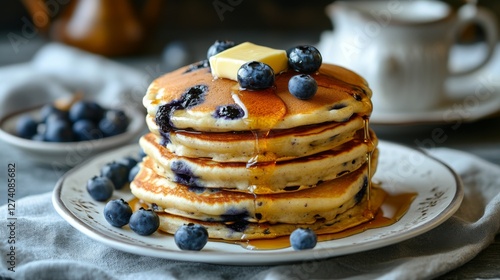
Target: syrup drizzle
x: 367, y: 139
x: 393, y: 208
x: 261, y: 120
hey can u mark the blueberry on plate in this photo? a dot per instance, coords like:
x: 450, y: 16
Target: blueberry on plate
x: 144, y: 222
x: 86, y: 130
x: 304, y: 59
x: 302, y: 86
x: 100, y: 188
x: 114, y: 122
x: 192, y: 237
x: 219, y: 46
x: 117, y: 212
x: 117, y: 172
x: 85, y: 110
x: 58, y: 131
x: 26, y: 127
x: 302, y: 239
x: 255, y: 75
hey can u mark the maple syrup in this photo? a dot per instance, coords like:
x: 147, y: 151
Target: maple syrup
x: 368, y: 213
x: 262, y: 115
x: 392, y: 209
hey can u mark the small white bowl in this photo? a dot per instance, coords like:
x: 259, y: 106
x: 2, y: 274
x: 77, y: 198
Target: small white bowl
x: 66, y: 155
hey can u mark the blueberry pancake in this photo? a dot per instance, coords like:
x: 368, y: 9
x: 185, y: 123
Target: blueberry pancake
x: 281, y: 144
x: 188, y: 101
x: 323, y: 202
x: 241, y: 230
x: 298, y: 173
x: 255, y: 142
x: 191, y: 98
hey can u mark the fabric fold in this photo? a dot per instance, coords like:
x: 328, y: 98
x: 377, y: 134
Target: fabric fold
x: 49, y: 248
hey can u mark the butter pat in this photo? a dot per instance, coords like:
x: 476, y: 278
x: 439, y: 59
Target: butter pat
x: 227, y: 63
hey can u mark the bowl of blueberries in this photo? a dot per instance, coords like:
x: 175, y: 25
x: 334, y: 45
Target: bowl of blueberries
x: 64, y: 134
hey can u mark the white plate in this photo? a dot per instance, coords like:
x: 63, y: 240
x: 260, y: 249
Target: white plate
x: 468, y: 100
x: 65, y: 155
x: 400, y: 169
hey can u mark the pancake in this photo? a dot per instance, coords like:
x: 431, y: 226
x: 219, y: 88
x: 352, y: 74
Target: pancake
x: 190, y: 98
x: 323, y: 202
x: 266, y: 177
x: 243, y: 230
x: 279, y: 144
x: 258, y: 163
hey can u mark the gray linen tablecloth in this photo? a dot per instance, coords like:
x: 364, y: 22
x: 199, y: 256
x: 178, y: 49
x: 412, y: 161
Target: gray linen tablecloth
x: 47, y: 247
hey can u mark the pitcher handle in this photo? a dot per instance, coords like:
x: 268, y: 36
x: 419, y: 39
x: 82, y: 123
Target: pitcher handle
x: 470, y: 13
x: 39, y: 14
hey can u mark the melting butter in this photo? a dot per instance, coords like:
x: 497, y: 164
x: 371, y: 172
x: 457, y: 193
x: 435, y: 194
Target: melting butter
x: 227, y: 63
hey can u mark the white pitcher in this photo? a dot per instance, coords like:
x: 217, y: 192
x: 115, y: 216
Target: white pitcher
x: 402, y: 48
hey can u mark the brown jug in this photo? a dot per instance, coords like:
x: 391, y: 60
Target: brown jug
x: 106, y: 27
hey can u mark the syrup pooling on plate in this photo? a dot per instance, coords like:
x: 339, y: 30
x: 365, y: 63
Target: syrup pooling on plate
x: 329, y: 177
x: 392, y: 209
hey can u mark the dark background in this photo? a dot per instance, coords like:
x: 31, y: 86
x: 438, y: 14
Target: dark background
x: 186, y: 19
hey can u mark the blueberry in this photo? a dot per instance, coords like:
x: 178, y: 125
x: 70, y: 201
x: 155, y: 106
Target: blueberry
x: 100, y: 188
x: 85, y: 110
x: 219, y: 46
x: 302, y: 86
x: 193, y: 96
x: 192, y: 237
x: 163, y: 115
x: 359, y: 196
x: 165, y: 111
x: 142, y: 154
x: 183, y: 174
x: 128, y: 161
x: 113, y: 123
x: 117, y: 212
x: 26, y: 127
x: 38, y: 137
x: 304, y: 59
x: 199, y: 65
x: 229, y: 112
x: 133, y: 172
x: 144, y: 222
x: 302, y: 239
x: 86, y: 130
x: 117, y: 173
x: 255, y: 75
x: 57, y: 117
x: 58, y: 131
x: 49, y: 109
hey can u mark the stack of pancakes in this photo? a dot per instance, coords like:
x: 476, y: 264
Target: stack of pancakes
x: 257, y: 164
